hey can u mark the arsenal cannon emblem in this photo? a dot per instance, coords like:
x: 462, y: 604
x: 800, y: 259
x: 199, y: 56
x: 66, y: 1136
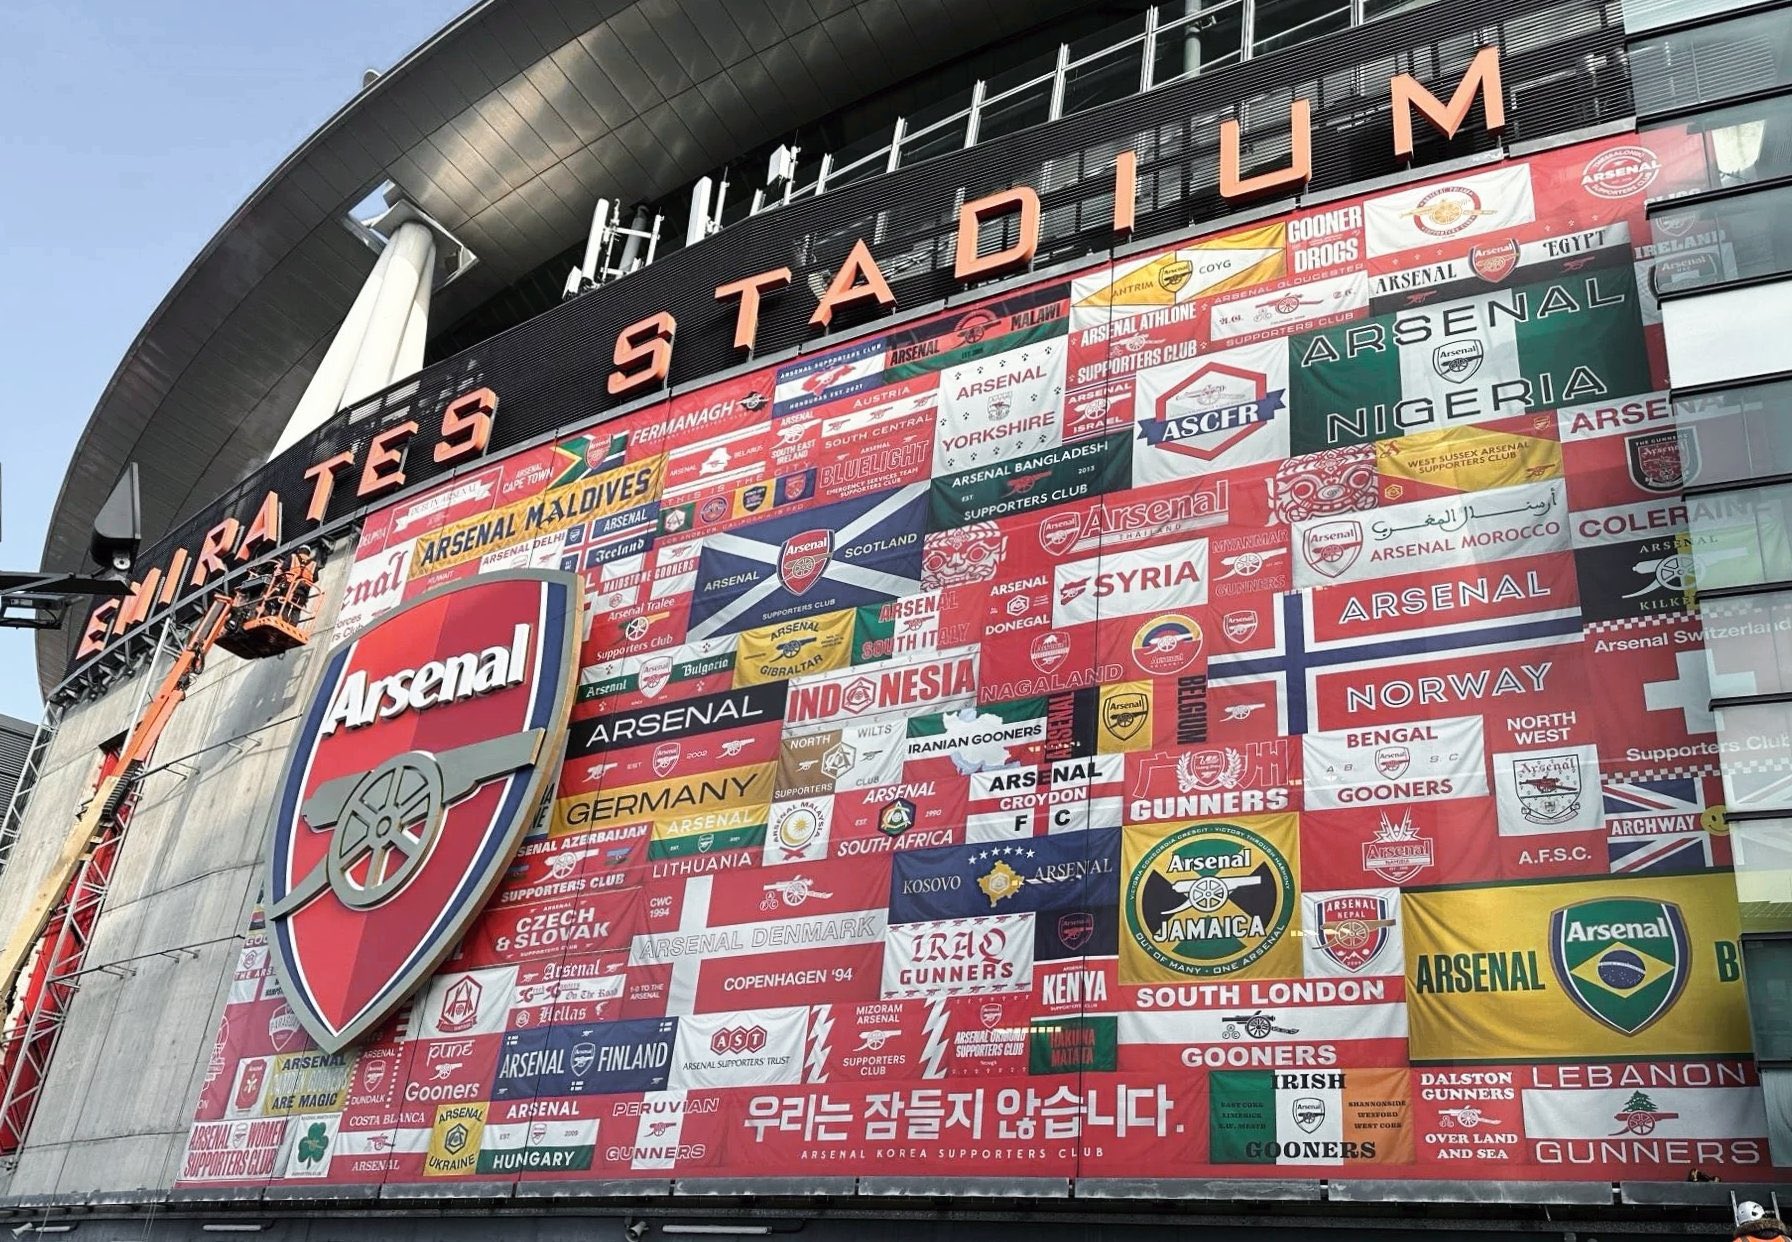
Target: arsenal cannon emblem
x: 427, y: 748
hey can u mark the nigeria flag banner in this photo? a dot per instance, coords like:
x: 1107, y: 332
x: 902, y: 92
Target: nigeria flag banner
x: 1310, y: 1117
x: 1568, y: 341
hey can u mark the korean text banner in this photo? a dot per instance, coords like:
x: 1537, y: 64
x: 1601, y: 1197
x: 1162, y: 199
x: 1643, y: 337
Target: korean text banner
x: 1238, y: 710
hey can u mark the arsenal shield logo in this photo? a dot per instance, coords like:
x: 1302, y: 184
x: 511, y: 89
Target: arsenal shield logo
x: 1059, y: 532
x: 804, y: 558
x: 1353, y: 928
x: 426, y: 750
x: 1654, y: 458
x: 1392, y: 761
x: 1332, y: 547
x: 1493, y: 263
x: 1076, y: 929
x: 1623, y: 960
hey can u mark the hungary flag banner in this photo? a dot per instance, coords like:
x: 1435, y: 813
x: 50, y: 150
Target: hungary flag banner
x: 528, y: 1146
x: 1310, y: 1117
x: 1569, y: 341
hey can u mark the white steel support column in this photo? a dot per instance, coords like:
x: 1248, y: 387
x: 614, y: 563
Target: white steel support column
x: 413, y: 250
x: 381, y: 338
x: 416, y: 334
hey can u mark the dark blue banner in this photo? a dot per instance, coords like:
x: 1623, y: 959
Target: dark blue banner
x: 607, y: 1058
x: 1075, y: 871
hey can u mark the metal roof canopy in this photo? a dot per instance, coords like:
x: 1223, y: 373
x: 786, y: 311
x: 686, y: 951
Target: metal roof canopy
x: 506, y: 126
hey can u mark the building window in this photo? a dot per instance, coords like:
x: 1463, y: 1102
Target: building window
x: 1767, y: 967
x: 1745, y: 143
x: 1640, y: 15
x: 1283, y: 23
x: 1748, y: 643
x: 1740, y: 539
x: 1202, y: 42
x: 1762, y: 852
x: 1755, y: 743
x: 1735, y: 434
x: 1725, y: 239
x: 1709, y: 64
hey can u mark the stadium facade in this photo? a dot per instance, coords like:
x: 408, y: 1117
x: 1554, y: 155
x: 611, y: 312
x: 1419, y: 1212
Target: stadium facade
x: 1178, y: 614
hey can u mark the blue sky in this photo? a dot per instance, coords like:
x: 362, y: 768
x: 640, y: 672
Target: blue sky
x: 130, y: 133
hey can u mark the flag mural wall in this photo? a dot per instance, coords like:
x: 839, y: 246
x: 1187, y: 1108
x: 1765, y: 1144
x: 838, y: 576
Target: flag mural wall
x: 1236, y: 711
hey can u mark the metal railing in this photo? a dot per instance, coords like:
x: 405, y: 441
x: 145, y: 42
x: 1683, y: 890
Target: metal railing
x: 1143, y: 60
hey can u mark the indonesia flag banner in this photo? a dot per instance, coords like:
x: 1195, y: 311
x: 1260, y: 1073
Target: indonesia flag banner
x: 806, y: 935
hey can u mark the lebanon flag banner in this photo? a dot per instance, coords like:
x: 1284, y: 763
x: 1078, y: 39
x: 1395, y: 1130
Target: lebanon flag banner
x: 740, y: 940
x: 1682, y: 1113
x: 1513, y: 351
x: 1340, y: 1118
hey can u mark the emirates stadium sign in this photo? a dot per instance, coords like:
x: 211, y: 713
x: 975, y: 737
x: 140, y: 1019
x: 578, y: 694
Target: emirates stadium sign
x: 1235, y: 710
x: 424, y: 756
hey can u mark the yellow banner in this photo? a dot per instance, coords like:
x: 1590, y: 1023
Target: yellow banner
x: 794, y: 648
x: 680, y: 804
x: 613, y: 491
x: 1123, y: 717
x: 1209, y: 900
x: 1211, y: 266
x: 454, y: 1140
x: 305, y: 1082
x: 1634, y: 967
x: 1466, y: 459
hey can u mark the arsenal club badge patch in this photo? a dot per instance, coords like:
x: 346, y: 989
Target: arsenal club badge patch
x: 427, y: 748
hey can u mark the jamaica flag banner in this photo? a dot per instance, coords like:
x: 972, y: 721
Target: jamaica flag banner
x: 1644, y: 967
x: 1210, y: 900
x: 1569, y: 341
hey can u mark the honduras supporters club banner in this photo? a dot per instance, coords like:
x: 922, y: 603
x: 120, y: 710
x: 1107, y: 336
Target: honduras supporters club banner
x: 1234, y: 710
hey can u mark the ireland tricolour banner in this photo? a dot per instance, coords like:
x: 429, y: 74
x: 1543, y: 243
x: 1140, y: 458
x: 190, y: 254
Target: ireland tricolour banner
x: 1310, y: 1117
x: 1568, y: 341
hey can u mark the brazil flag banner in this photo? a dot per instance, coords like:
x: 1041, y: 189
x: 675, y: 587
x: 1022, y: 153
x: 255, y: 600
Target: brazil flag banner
x: 1567, y: 341
x: 1645, y: 967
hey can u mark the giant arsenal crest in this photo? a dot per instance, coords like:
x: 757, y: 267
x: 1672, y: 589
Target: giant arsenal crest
x: 426, y: 750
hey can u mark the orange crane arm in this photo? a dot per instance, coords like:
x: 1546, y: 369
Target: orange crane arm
x: 99, y: 814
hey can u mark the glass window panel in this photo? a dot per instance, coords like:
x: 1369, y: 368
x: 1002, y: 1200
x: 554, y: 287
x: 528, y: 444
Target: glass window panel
x: 1030, y: 105
x: 1648, y: 14
x: 1743, y: 236
x: 1767, y: 971
x: 1373, y: 9
x: 1284, y: 23
x: 1762, y: 850
x: 1744, y: 143
x: 1736, y: 435
x: 921, y: 146
x: 1740, y: 538
x: 1108, y: 77
x: 1748, y: 644
x: 1711, y: 63
x: 1755, y: 749
x: 1203, y: 43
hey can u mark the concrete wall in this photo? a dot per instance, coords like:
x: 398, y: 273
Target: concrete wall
x: 126, y: 1075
